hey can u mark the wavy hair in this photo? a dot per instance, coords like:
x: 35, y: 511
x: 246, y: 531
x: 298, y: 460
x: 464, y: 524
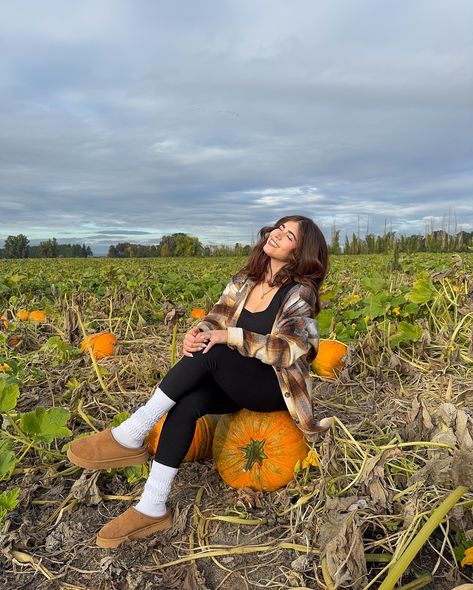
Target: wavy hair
x: 308, y: 263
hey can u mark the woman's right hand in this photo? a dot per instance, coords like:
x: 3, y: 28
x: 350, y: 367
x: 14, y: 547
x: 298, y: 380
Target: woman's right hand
x: 190, y: 345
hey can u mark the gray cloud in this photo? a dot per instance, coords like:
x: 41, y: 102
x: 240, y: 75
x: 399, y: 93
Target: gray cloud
x: 119, y: 120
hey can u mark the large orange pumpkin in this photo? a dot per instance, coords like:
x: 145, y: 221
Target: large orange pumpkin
x: 201, y: 445
x: 258, y: 450
x: 330, y: 358
x: 102, y: 344
x: 37, y: 316
x: 198, y: 313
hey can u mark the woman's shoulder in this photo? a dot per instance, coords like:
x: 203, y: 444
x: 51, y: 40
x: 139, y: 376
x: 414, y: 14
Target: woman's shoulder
x: 240, y: 278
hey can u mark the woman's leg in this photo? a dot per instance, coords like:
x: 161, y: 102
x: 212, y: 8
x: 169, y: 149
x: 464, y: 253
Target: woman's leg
x: 174, y: 442
x: 179, y: 427
x: 249, y: 382
x: 246, y: 380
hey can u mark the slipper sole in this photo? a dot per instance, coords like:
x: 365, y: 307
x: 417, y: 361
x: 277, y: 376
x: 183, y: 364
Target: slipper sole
x: 137, y: 459
x: 105, y: 543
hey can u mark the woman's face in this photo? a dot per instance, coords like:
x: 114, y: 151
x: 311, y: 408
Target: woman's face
x: 282, y: 240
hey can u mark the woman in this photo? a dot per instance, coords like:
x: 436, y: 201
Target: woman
x: 252, y: 350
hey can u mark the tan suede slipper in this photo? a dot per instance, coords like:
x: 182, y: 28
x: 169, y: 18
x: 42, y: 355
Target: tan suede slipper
x: 131, y: 525
x: 102, y: 451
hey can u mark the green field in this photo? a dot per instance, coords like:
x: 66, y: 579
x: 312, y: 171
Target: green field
x: 403, y: 429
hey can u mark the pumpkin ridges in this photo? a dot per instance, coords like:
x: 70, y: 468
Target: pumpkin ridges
x: 282, y: 438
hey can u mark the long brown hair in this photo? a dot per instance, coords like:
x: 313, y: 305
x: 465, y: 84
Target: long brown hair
x: 308, y: 263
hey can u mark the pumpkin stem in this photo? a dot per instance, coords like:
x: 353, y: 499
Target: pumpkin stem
x: 254, y: 452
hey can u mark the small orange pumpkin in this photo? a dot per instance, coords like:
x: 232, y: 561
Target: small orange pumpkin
x: 102, y: 344
x: 198, y: 313
x: 37, y: 316
x: 330, y: 358
x: 258, y: 450
x: 4, y: 367
x: 201, y: 445
x: 22, y: 314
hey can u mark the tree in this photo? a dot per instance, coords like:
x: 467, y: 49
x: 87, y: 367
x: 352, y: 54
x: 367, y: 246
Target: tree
x: 48, y: 249
x: 16, y: 246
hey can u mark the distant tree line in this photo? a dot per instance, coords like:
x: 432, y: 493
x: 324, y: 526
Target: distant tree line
x: 181, y: 244
x: 18, y: 247
x: 434, y: 241
x: 178, y: 244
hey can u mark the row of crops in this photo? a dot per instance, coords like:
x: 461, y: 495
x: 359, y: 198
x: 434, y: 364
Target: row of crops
x: 409, y: 330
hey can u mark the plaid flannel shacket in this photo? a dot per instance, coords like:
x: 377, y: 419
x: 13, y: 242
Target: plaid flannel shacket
x: 289, y: 348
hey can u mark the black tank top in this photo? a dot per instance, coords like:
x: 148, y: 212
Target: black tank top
x: 261, y: 322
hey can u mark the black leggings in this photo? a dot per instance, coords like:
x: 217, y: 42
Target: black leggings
x: 221, y: 381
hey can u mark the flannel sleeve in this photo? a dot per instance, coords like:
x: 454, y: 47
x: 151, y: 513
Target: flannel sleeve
x: 216, y: 318
x: 296, y: 333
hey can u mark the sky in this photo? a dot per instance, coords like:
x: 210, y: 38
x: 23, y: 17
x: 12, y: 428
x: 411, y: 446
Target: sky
x: 128, y: 120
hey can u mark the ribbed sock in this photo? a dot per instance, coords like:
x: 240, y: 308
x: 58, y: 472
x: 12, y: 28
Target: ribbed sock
x: 131, y: 433
x: 156, y: 490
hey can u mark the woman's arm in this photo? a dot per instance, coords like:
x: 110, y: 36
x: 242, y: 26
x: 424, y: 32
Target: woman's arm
x: 217, y: 316
x: 296, y: 332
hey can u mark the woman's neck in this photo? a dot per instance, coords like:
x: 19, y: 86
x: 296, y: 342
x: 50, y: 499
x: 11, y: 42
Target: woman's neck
x: 273, y: 267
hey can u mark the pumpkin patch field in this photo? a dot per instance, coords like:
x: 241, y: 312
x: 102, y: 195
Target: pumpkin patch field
x: 383, y: 499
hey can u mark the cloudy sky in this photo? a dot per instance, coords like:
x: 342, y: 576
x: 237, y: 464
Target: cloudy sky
x: 126, y: 120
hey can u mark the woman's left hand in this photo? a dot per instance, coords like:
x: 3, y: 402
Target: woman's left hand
x: 212, y: 337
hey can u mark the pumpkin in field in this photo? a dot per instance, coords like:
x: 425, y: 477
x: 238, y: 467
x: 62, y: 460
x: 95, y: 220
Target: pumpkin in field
x: 258, y: 450
x: 22, y: 314
x: 198, y: 313
x: 4, y: 367
x: 330, y: 358
x: 3, y: 322
x: 37, y: 316
x: 201, y: 445
x: 102, y: 344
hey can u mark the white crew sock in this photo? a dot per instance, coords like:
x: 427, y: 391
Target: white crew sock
x: 131, y: 433
x: 156, y: 490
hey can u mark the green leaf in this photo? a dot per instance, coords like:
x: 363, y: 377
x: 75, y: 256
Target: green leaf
x: 9, y: 393
x: 119, y: 418
x: 422, y: 291
x: 8, y: 502
x: 46, y: 424
x: 63, y: 350
x: 373, y: 284
x: 375, y: 305
x: 406, y: 333
x: 136, y: 473
x: 7, y: 460
x: 324, y: 320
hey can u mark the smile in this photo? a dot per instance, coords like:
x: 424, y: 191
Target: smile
x: 273, y: 243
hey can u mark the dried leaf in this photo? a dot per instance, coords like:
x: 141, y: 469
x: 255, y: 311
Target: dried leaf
x: 342, y: 545
x: 86, y: 489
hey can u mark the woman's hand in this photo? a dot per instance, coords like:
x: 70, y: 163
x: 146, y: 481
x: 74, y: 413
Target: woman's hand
x: 190, y: 344
x: 210, y: 338
x: 196, y: 340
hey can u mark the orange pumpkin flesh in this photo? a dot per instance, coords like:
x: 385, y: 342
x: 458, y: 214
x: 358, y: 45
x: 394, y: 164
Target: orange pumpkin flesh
x: 201, y: 445
x: 258, y: 449
x: 330, y: 358
x: 198, y: 313
x: 102, y: 344
x: 37, y: 316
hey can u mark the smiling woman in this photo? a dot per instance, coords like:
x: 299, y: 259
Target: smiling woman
x: 252, y: 350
